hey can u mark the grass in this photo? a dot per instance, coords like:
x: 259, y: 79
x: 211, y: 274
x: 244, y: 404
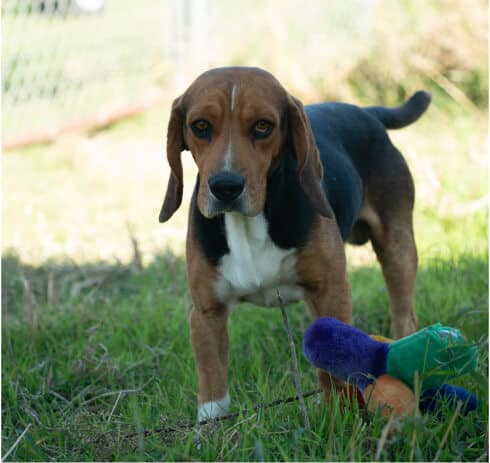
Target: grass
x: 105, y: 353
x: 96, y: 349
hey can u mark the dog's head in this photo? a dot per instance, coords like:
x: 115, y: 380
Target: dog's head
x: 237, y: 122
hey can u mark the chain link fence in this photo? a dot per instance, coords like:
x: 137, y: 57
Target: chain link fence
x: 66, y: 62
x: 79, y: 64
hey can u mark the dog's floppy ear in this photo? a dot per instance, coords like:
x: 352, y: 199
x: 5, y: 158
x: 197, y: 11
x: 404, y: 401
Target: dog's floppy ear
x: 309, y: 167
x: 175, y: 145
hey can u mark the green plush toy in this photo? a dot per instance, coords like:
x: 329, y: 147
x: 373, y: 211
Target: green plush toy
x: 437, y: 353
x: 385, y: 371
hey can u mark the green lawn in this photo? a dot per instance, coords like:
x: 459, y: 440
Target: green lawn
x: 95, y: 349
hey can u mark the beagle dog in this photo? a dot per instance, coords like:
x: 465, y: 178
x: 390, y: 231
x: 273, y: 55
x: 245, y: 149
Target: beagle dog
x: 280, y: 188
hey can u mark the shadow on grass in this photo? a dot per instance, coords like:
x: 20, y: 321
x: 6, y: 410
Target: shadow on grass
x: 452, y: 291
x: 57, y: 285
x: 92, y: 349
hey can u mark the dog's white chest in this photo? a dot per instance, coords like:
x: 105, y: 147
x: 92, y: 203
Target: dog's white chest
x: 255, y: 268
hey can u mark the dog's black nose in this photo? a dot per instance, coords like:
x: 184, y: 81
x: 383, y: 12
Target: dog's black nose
x: 226, y: 186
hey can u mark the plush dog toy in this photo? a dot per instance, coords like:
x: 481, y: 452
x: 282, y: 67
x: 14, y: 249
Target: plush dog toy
x: 384, y: 371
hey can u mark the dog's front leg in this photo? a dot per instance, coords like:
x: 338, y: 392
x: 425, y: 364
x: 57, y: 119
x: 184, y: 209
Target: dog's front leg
x: 332, y: 300
x: 209, y: 337
x: 323, y: 270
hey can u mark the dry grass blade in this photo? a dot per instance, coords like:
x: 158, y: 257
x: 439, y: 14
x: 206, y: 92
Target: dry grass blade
x: 51, y: 291
x: 16, y: 443
x: 384, y: 435
x: 114, y: 407
x: 294, y: 358
x: 357, y: 430
x: 87, y: 283
x: 413, y: 441
x: 330, y: 437
x: 450, y: 426
x: 137, y: 261
x: 32, y: 305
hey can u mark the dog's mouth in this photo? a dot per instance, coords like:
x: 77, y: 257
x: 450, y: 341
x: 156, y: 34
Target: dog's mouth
x: 226, y: 191
x: 219, y: 206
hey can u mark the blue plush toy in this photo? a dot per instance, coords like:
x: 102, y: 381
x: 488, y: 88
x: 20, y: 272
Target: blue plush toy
x: 384, y: 371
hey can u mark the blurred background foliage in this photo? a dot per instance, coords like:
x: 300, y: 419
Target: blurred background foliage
x: 78, y: 196
x: 361, y: 50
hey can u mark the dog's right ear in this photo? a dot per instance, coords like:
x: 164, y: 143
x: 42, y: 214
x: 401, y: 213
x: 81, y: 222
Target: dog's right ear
x: 175, y: 146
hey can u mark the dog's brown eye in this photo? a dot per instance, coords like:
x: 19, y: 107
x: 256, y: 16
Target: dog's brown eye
x: 201, y: 128
x: 262, y: 129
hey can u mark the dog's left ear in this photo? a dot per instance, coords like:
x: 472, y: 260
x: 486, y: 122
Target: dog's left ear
x: 309, y: 167
x: 175, y: 146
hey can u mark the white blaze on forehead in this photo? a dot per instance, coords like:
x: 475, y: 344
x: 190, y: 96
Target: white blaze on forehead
x: 234, y: 92
x: 229, y: 151
x: 227, y: 165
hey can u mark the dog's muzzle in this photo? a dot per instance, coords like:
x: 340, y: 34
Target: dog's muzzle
x: 227, y: 192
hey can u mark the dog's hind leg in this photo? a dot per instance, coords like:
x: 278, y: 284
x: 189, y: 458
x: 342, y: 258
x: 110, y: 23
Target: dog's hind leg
x: 397, y: 253
x: 388, y: 210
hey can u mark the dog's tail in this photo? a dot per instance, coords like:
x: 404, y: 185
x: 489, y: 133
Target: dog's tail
x: 408, y: 112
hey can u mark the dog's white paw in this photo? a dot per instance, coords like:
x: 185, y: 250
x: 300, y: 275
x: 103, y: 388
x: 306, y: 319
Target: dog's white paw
x: 213, y: 408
